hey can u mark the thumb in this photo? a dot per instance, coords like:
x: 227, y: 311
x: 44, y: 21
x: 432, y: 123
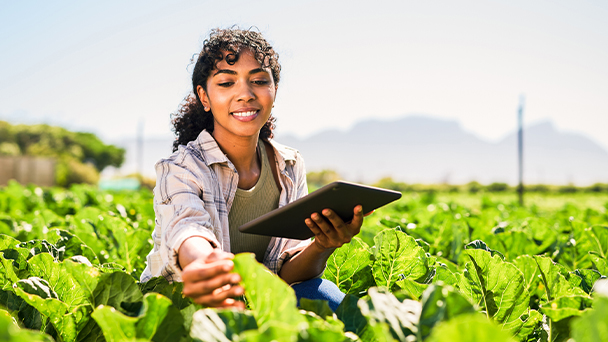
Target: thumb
x: 219, y: 255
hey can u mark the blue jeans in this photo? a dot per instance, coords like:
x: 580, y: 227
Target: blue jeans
x: 318, y: 288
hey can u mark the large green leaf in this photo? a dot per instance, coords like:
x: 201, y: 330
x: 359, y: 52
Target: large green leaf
x: 118, y: 327
x: 171, y: 290
x: 37, y: 286
x: 348, y: 267
x: 176, y: 325
x: 318, y: 306
x: 10, y: 331
x: 321, y: 330
x: 531, y: 325
x: 220, y: 325
x: 59, y: 314
x: 567, y: 306
x: 70, y: 245
x: 115, y: 288
x: 600, y: 263
x: 555, y: 284
x: 397, y: 256
x: 598, y: 240
x: 8, y: 242
x: 440, y: 303
x: 7, y: 273
x: 86, y: 276
x: 270, y: 299
x: 496, y: 286
x: 528, y: 267
x: 400, y: 316
x: 592, y: 326
x: 27, y: 315
x: 584, y: 279
x: 469, y: 328
x: 69, y: 291
x: 275, y: 331
x: 413, y: 289
x: 349, y: 312
x: 444, y: 275
x: 512, y: 244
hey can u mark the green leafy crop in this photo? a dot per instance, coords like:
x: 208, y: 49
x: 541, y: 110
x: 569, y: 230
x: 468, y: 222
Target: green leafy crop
x: 426, y: 268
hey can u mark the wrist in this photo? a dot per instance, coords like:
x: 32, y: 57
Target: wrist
x: 320, y: 248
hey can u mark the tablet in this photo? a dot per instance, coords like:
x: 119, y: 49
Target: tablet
x: 340, y: 196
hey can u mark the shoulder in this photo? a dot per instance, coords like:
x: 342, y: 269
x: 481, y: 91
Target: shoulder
x: 202, y: 152
x: 289, y: 155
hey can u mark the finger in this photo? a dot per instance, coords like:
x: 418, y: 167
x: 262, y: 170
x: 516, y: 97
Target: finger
x: 313, y: 227
x: 218, y: 297
x: 198, y: 271
x: 357, y: 220
x: 219, y: 255
x: 232, y: 303
x: 325, y: 226
x: 219, y: 283
x: 371, y: 212
x: 334, y: 219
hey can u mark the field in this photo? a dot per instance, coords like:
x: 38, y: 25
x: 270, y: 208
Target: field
x: 430, y: 267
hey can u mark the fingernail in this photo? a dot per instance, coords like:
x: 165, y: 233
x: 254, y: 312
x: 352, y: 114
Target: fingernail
x: 315, y: 216
x: 238, y: 291
x: 228, y: 266
x: 326, y: 212
x: 235, y: 279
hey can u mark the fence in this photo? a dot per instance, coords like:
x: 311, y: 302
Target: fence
x: 25, y: 170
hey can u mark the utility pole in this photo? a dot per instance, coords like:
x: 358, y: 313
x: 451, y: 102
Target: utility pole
x: 520, y: 149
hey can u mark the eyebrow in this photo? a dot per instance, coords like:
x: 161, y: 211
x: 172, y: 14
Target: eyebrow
x: 232, y: 72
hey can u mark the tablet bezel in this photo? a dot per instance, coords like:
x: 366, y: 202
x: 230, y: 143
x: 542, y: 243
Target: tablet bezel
x: 340, y: 196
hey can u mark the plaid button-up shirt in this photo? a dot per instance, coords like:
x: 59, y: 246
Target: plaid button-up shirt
x: 194, y: 191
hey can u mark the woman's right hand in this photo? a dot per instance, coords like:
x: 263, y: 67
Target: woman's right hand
x: 208, y: 280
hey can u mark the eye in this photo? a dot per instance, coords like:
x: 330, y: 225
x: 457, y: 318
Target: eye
x: 261, y: 82
x: 225, y: 84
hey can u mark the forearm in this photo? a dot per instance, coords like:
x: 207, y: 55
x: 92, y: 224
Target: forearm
x: 307, y: 264
x: 192, y: 249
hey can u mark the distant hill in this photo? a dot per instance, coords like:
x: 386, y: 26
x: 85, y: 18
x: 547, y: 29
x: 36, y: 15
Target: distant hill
x: 420, y: 149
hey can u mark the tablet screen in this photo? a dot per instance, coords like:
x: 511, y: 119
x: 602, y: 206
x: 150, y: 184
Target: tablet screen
x: 340, y: 196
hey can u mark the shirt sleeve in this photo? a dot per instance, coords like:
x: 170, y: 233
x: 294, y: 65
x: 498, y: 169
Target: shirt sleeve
x: 180, y: 214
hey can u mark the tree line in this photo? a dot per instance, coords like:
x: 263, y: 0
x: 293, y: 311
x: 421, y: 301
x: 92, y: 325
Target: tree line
x: 80, y: 156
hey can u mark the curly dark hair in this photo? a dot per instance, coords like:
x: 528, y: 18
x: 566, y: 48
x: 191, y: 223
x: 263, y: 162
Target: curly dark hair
x: 190, y: 118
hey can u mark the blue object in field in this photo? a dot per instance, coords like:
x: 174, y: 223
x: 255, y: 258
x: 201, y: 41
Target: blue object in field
x: 317, y: 288
x: 119, y: 184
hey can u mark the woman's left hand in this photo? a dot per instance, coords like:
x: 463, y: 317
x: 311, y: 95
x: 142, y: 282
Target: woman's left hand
x: 331, y: 232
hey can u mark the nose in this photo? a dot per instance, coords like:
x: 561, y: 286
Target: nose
x: 245, y: 92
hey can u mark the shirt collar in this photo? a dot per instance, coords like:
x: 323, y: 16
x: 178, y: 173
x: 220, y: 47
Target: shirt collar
x: 213, y: 154
x: 284, y: 153
x: 209, y: 148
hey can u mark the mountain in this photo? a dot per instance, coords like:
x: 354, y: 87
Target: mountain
x: 421, y: 149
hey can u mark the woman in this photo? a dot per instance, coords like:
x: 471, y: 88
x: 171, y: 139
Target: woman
x: 225, y: 171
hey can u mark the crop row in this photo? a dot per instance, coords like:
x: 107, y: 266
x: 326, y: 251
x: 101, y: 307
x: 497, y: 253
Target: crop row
x: 420, y: 271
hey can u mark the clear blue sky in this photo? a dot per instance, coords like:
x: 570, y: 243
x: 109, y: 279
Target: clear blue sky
x: 102, y: 66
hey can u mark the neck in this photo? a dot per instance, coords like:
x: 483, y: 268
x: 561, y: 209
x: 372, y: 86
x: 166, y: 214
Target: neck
x: 241, y: 151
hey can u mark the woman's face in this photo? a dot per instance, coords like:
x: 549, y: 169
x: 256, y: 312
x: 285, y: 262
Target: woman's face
x: 240, y: 97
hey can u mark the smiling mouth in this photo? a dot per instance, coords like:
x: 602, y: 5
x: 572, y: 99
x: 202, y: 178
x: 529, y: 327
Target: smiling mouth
x: 245, y: 114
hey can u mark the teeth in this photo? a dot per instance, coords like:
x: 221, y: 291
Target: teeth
x: 245, y: 113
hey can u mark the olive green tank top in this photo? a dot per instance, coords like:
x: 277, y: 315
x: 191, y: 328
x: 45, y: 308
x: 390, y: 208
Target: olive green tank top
x: 251, y: 204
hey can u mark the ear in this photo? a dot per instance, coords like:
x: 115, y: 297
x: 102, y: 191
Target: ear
x: 202, y: 94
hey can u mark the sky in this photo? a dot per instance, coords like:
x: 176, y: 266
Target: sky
x: 106, y: 66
